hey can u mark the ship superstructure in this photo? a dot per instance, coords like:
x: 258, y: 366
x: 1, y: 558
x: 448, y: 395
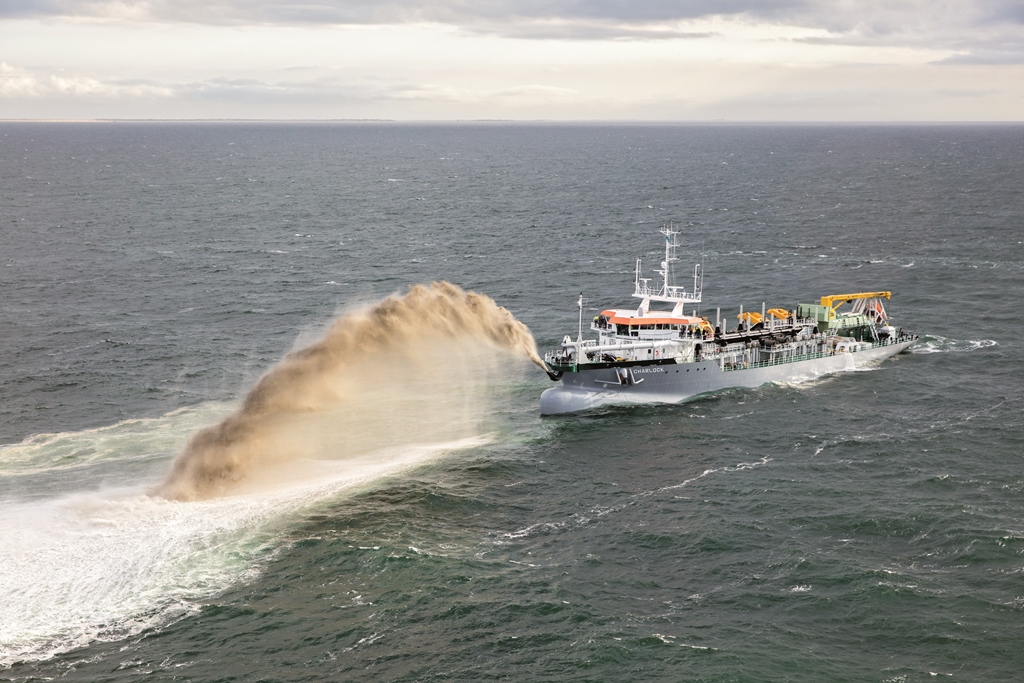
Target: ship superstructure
x: 658, y: 353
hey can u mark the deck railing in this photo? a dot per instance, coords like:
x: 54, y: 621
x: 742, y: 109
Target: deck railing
x: 739, y: 364
x: 729, y: 359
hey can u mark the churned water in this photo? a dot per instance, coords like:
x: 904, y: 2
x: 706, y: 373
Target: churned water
x: 863, y: 527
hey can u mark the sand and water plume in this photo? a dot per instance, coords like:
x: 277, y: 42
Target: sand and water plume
x: 413, y: 369
x: 387, y: 388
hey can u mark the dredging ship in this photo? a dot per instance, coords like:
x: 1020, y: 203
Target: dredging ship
x: 649, y: 355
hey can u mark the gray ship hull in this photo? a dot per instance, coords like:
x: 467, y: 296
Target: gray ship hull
x: 676, y: 382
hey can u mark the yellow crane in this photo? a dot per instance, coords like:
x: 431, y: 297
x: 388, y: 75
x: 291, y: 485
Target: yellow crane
x: 836, y: 300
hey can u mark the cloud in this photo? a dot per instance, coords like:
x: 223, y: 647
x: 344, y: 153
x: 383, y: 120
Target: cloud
x: 586, y: 29
x: 877, y: 16
x: 257, y: 91
x: 379, y: 91
x: 453, y: 12
x: 968, y: 93
x: 512, y: 58
x: 17, y: 82
x: 973, y: 28
x: 534, y: 93
x: 982, y: 56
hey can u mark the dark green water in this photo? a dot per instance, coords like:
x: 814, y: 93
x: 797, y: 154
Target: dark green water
x: 864, y: 527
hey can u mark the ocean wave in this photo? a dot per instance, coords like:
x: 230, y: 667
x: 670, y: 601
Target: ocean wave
x: 937, y: 344
x: 585, y: 519
x: 109, y: 564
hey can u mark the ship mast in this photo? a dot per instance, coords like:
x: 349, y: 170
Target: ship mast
x: 579, y: 336
x: 668, y: 292
x: 670, y: 256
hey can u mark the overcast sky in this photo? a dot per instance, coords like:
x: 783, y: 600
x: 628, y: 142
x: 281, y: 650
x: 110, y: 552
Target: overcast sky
x: 682, y: 60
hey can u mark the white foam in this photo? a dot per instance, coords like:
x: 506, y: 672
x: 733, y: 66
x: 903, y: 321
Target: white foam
x: 128, y: 439
x: 937, y: 344
x: 104, y: 565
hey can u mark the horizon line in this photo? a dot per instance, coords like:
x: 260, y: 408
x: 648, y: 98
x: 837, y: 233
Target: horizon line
x: 521, y: 121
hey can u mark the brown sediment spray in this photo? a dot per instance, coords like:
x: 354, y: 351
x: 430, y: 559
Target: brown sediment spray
x: 411, y: 369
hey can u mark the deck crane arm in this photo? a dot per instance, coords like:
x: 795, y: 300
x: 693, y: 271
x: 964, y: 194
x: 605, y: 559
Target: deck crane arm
x: 836, y: 300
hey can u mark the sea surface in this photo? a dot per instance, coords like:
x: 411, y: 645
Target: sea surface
x: 864, y: 527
